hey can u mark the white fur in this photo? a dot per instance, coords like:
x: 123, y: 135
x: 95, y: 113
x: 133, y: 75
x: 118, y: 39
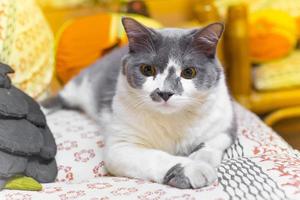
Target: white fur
x: 143, y: 142
x: 160, y: 78
x: 80, y: 95
x: 144, y: 139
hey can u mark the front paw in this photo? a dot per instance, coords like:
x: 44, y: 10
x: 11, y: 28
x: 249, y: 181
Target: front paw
x: 192, y: 175
x: 213, y: 157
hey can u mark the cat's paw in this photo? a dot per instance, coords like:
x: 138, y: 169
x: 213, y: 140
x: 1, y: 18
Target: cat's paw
x: 192, y: 175
x: 212, y: 157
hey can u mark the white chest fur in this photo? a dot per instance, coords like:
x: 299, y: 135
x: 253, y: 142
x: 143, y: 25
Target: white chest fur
x: 175, y: 133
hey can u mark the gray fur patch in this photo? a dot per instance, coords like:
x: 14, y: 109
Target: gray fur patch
x: 208, y: 72
x: 135, y: 78
x: 175, y: 177
x: 172, y: 83
x: 189, y: 47
x: 103, y: 76
x: 154, y: 95
x: 198, y: 147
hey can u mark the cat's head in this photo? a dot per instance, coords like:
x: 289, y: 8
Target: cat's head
x: 170, y: 69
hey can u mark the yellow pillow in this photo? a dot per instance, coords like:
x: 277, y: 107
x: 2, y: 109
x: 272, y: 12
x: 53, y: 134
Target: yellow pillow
x: 27, y: 44
x: 290, y: 6
x: 272, y: 34
x: 280, y: 74
x: 63, y: 3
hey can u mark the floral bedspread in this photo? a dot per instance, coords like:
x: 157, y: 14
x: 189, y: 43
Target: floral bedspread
x: 260, y: 165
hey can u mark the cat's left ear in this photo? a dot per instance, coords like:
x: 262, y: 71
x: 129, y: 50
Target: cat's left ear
x: 206, y: 39
x: 140, y: 37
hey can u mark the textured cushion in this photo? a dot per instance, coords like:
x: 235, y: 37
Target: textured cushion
x: 26, y: 43
x: 260, y: 165
x: 278, y: 74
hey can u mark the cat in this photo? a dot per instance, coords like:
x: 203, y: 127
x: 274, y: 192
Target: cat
x: 163, y: 104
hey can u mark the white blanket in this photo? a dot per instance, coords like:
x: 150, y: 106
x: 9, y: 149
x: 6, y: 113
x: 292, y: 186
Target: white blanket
x: 260, y: 165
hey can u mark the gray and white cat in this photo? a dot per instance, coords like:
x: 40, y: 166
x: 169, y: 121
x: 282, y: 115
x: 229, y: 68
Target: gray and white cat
x: 163, y: 104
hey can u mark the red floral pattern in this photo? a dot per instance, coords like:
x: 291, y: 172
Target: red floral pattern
x: 50, y: 190
x: 124, y: 191
x: 17, y: 196
x: 67, y: 145
x: 99, y: 186
x: 152, y: 195
x: 285, y: 166
x: 182, y: 197
x: 67, y: 173
x: 84, y: 155
x: 98, y: 170
x: 72, y: 195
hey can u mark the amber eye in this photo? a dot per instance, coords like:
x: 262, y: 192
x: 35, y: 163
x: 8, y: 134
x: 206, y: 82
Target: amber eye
x: 188, y: 73
x: 148, y: 70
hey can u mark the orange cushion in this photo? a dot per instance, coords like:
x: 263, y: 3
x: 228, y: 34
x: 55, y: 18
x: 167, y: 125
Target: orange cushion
x: 82, y: 41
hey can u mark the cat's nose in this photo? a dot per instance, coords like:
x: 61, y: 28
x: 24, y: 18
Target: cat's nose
x: 165, y: 95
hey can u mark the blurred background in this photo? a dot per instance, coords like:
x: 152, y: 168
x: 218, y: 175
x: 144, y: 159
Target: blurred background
x: 48, y: 42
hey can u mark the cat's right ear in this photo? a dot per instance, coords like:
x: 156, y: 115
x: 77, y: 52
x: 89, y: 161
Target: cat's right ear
x: 139, y: 36
x: 207, y: 38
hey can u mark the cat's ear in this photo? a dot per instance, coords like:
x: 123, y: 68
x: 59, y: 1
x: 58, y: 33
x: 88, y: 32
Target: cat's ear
x: 206, y: 39
x: 139, y: 36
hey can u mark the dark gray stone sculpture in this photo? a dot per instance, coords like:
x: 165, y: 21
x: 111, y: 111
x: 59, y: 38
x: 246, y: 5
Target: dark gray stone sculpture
x: 27, y: 145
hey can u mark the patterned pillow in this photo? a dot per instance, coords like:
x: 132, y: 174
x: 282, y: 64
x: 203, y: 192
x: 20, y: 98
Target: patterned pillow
x: 280, y: 74
x: 26, y: 43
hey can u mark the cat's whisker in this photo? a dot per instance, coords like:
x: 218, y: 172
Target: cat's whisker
x: 139, y: 103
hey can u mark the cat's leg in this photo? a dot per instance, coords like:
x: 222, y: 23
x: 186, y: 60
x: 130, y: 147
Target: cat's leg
x: 212, y: 150
x: 124, y: 159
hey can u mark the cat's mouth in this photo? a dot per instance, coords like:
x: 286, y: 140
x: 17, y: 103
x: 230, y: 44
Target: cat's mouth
x: 166, y: 104
x: 166, y: 107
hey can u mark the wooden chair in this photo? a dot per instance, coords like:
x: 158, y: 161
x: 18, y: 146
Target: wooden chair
x: 275, y: 106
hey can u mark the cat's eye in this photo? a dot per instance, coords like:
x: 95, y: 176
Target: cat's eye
x: 148, y: 70
x: 188, y: 73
